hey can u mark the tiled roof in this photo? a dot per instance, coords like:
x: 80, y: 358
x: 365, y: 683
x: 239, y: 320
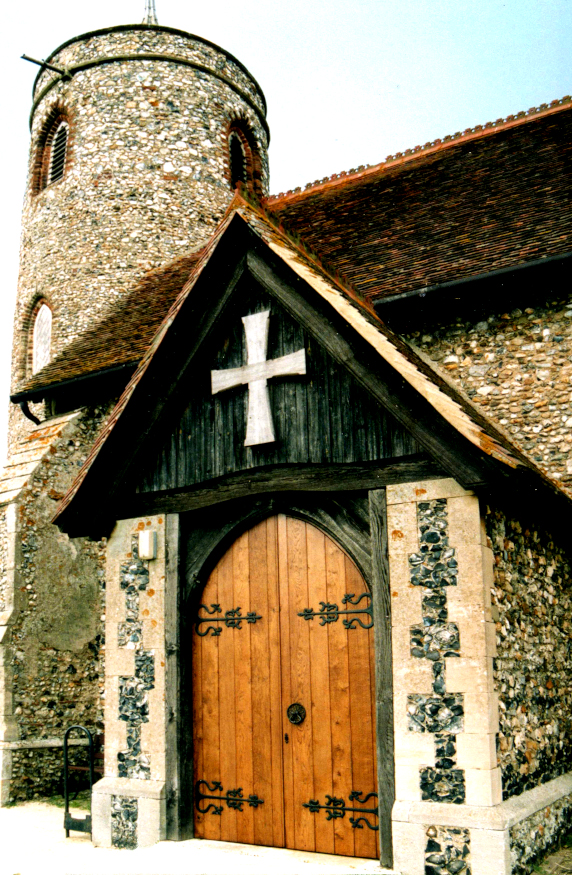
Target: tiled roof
x: 432, y: 146
x: 486, y: 200
x: 124, y: 334
x: 493, y: 197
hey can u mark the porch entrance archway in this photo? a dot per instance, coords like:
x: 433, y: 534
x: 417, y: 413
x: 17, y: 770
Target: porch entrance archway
x: 284, y: 746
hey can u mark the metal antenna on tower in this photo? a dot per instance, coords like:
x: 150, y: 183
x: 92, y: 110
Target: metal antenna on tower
x: 150, y: 14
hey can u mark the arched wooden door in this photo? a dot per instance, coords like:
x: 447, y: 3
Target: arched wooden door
x: 285, y: 620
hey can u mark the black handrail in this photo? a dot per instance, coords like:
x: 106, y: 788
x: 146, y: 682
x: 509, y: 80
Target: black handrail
x: 83, y: 824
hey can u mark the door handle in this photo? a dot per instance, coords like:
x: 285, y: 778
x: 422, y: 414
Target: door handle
x: 296, y: 713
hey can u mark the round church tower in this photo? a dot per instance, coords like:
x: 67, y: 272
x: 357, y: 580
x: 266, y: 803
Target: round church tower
x: 140, y: 134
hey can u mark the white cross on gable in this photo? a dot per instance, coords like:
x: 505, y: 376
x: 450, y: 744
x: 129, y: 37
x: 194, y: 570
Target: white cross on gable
x: 255, y: 374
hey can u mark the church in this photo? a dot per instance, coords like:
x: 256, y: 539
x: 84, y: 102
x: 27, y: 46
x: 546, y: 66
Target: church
x: 285, y: 518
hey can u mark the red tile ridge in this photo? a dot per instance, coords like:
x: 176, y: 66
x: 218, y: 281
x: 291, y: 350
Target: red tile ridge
x: 366, y: 170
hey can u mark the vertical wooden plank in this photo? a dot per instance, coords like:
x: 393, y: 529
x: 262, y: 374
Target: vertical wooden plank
x: 198, y: 733
x: 243, y: 688
x: 301, y: 404
x: 349, y: 398
x: 383, y: 670
x: 373, y: 704
x: 319, y: 404
x: 172, y: 679
x: 277, y: 389
x: 300, y: 684
x: 289, y: 430
x: 320, y: 674
x: 261, y: 598
x: 364, y: 777
x: 283, y: 582
x: 275, y: 683
x: 340, y: 694
x: 210, y: 710
x: 334, y: 385
x: 227, y: 708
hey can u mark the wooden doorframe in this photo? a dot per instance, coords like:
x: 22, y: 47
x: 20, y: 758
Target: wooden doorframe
x: 356, y: 522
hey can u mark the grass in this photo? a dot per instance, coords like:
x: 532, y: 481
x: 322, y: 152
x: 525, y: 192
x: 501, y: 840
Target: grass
x: 82, y: 802
x: 543, y: 867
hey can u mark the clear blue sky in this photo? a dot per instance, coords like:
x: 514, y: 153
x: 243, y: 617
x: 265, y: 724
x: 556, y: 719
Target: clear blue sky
x: 346, y: 83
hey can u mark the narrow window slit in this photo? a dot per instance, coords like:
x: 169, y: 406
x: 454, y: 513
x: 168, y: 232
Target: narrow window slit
x: 237, y: 161
x: 58, y: 153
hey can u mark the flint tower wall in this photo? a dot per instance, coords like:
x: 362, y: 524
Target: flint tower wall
x: 147, y: 174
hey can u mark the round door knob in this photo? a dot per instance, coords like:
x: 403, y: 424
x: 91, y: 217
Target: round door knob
x: 296, y: 713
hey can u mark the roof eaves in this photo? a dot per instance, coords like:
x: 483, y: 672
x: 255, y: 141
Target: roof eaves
x: 39, y: 390
x: 51, y: 377
x: 422, y: 291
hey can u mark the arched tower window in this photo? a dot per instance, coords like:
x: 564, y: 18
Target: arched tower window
x: 52, y: 152
x: 41, y: 338
x: 237, y: 160
x: 244, y: 161
x: 58, y: 149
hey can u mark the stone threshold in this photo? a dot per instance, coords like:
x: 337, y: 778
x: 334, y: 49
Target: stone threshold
x: 498, y: 817
x: 280, y: 860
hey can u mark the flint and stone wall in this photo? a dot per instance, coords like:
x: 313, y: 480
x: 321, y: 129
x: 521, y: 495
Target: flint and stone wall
x: 445, y: 709
x: 135, y: 803
x: 52, y: 644
x: 532, y: 606
x: 454, y: 666
x: 517, y: 366
x: 532, y: 838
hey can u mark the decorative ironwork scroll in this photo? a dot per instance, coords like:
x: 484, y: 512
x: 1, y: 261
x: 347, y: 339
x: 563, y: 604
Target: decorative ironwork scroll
x: 330, y: 613
x: 335, y: 808
x: 233, y: 799
x: 232, y: 619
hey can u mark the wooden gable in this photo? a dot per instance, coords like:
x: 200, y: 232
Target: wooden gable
x: 367, y: 412
x: 321, y: 417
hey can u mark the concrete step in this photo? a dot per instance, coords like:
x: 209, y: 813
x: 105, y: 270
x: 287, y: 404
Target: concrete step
x: 33, y: 840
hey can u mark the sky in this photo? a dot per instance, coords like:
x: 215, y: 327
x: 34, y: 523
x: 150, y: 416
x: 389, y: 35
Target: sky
x: 347, y: 83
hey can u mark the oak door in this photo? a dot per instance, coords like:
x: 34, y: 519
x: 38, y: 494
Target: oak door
x: 283, y: 696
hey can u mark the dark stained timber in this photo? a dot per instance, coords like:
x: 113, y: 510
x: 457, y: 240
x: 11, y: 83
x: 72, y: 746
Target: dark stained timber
x: 375, y: 376
x: 320, y: 418
x: 284, y: 478
x: 383, y: 670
